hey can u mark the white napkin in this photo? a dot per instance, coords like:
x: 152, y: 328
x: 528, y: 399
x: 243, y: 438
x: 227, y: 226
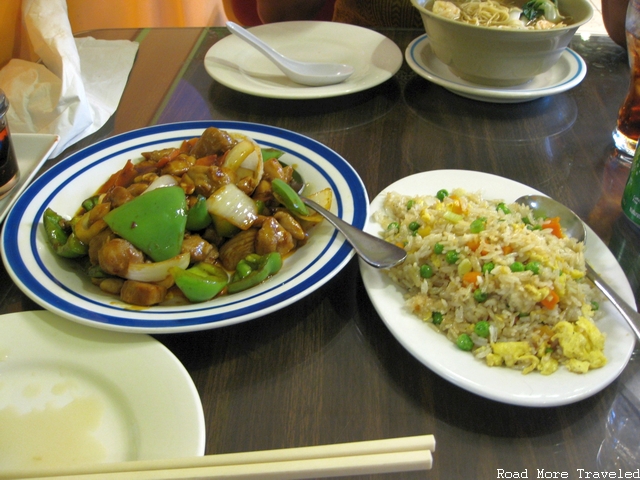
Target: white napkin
x: 78, y: 85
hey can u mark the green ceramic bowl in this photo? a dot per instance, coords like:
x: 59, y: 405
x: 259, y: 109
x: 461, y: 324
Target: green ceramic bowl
x: 500, y: 56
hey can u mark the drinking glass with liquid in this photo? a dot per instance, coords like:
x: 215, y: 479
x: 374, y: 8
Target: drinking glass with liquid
x: 627, y: 129
x: 9, y: 171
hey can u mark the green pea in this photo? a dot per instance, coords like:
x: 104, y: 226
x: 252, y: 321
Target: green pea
x: 393, y: 226
x: 451, y: 256
x: 517, y: 267
x: 480, y: 296
x: 438, y: 248
x: 595, y: 306
x: 482, y: 329
x: 533, y: 267
x: 413, y: 226
x: 478, y: 225
x: 442, y: 194
x: 503, y: 208
x: 410, y: 204
x: 487, y: 267
x: 436, y: 318
x: 426, y: 271
x: 464, y: 342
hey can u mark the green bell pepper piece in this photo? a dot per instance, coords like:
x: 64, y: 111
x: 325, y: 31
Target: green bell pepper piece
x: 201, y: 282
x: 154, y: 222
x: 91, y: 202
x: 263, y: 266
x: 198, y: 217
x: 269, y: 153
x: 63, y: 241
x: 288, y: 197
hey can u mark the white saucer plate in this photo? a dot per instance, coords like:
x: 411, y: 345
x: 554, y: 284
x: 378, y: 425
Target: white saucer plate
x: 568, y: 72
x: 237, y: 65
x: 441, y: 356
x: 56, y: 285
x: 32, y: 150
x: 72, y: 395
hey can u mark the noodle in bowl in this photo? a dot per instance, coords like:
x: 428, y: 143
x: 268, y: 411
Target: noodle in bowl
x: 504, y: 56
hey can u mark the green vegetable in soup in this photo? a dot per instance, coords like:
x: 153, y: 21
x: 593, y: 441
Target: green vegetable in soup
x: 534, y: 9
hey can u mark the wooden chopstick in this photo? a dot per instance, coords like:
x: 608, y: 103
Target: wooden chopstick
x: 357, y: 458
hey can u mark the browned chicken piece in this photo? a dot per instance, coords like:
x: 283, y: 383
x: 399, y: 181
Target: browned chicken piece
x: 97, y: 243
x: 238, y: 247
x: 208, y: 179
x: 272, y: 237
x: 117, y: 196
x: 178, y: 166
x: 212, y: 142
x: 290, y: 224
x: 136, y: 189
x: 111, y: 285
x: 274, y: 169
x: 263, y: 192
x: 116, y: 255
x: 199, y: 249
x: 142, y: 293
x: 154, y: 156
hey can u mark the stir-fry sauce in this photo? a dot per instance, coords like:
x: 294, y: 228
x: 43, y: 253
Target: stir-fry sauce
x: 214, y: 216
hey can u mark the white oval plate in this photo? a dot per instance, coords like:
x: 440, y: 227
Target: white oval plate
x: 52, y: 282
x: 113, y: 397
x: 462, y: 369
x: 568, y: 72
x: 237, y: 65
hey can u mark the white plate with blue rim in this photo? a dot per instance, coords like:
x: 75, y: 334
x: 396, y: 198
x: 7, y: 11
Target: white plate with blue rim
x: 56, y: 285
x: 568, y: 72
x: 444, y: 358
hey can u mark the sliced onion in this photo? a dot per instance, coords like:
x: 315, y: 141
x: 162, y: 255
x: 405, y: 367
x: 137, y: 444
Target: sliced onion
x: 323, y: 198
x: 238, y: 154
x: 162, y: 181
x: 235, y: 206
x: 156, y: 271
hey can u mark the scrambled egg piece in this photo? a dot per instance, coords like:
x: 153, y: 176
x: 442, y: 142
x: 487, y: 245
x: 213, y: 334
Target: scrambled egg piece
x: 582, y: 343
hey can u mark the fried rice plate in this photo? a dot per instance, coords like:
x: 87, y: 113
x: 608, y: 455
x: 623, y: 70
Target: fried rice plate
x: 498, y: 282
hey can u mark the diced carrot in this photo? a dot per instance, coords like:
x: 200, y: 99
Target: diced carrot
x: 554, y: 225
x: 122, y: 178
x: 550, y: 301
x: 471, y: 278
x: 507, y: 249
x: 473, y: 244
x: 167, y: 158
x: 399, y: 244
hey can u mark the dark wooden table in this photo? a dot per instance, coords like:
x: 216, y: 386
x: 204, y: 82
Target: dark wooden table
x: 326, y: 369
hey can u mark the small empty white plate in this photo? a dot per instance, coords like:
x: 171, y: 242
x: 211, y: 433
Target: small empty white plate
x: 237, y: 65
x: 32, y: 150
x: 564, y: 75
x: 73, y: 395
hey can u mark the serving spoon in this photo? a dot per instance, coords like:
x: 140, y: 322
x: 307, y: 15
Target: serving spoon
x: 573, y: 227
x: 304, y: 73
x: 374, y: 250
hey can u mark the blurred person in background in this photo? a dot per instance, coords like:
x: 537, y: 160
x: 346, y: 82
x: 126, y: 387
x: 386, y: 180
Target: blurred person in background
x: 365, y: 13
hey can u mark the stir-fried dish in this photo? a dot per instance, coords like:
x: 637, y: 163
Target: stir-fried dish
x: 214, y: 216
x: 533, y: 15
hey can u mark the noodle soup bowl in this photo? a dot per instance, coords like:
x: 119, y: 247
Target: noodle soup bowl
x: 500, y: 57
